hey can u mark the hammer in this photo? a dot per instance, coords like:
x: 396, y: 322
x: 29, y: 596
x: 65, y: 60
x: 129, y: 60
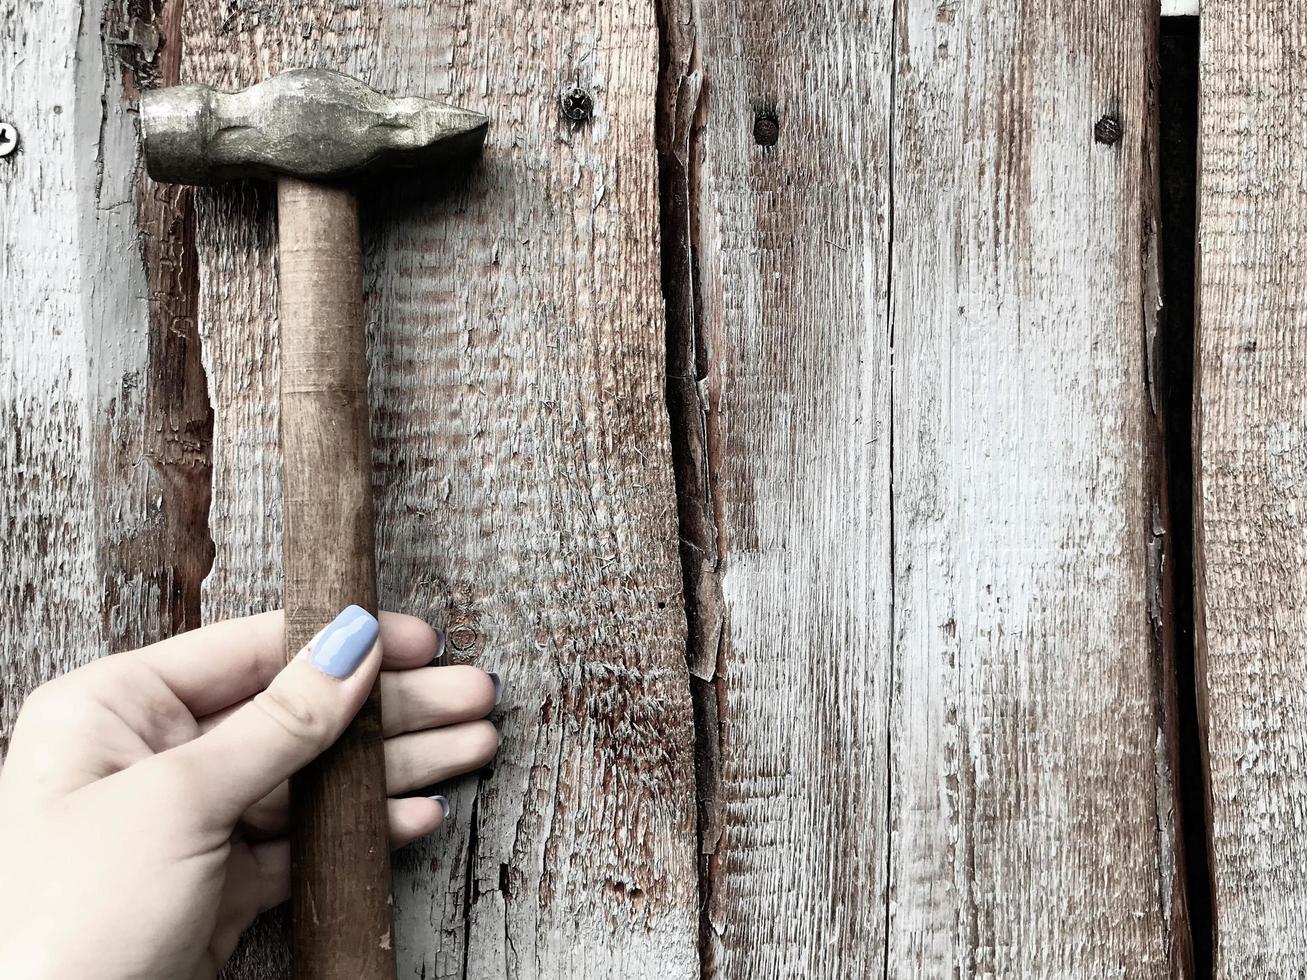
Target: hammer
x: 308, y: 129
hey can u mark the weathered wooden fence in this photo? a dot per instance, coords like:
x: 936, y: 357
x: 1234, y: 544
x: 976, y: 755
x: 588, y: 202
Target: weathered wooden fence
x: 861, y: 303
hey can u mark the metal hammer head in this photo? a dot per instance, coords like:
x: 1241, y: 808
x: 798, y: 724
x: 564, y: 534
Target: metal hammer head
x: 308, y: 123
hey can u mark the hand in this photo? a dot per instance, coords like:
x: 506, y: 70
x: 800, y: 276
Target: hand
x: 143, y: 801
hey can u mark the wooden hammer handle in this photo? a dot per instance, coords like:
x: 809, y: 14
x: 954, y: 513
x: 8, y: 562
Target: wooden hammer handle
x: 340, y: 858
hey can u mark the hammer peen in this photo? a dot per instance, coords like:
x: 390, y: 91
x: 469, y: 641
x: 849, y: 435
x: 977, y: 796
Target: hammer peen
x: 307, y: 129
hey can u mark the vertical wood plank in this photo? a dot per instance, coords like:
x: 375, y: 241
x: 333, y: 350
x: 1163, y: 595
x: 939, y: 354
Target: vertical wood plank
x: 775, y: 146
x: 519, y: 373
x: 1014, y: 778
x: 173, y: 550
x: 525, y: 497
x: 104, y: 468
x: 48, y: 584
x: 1032, y: 813
x: 1251, y: 463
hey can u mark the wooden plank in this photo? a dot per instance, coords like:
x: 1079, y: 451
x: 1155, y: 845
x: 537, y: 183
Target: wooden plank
x: 1031, y: 803
x: 776, y: 182
x: 104, y: 468
x: 1024, y: 725
x: 525, y: 494
x: 1251, y: 419
x: 48, y: 588
x: 171, y: 549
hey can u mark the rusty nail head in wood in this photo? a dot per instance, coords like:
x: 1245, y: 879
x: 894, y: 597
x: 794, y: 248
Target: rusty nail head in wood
x: 577, y: 105
x: 8, y: 138
x: 1107, y: 130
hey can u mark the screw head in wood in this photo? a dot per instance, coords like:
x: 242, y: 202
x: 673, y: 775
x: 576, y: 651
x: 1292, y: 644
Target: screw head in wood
x: 1107, y: 130
x: 577, y: 105
x: 8, y: 138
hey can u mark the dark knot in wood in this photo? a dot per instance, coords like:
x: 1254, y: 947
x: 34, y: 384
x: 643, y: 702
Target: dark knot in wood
x: 462, y: 637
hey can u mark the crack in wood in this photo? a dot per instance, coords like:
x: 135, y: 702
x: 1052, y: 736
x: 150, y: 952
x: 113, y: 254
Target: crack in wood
x: 695, y: 446
x: 1177, y: 147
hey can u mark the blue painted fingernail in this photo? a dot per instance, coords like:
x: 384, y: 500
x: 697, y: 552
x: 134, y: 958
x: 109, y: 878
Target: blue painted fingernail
x: 444, y: 804
x: 499, y: 685
x: 343, y: 645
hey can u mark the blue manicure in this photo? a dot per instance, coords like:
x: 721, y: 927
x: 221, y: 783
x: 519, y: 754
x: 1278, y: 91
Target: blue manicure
x: 499, y: 685
x: 444, y: 804
x: 343, y: 645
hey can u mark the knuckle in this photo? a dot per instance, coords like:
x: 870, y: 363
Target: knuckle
x: 57, y: 703
x: 294, y: 713
x: 39, y: 703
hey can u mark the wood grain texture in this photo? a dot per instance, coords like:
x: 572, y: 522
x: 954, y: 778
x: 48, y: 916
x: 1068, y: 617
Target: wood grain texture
x: 103, y: 433
x: 911, y: 308
x: 934, y: 692
x: 531, y: 504
x: 780, y: 374
x: 48, y: 588
x: 178, y: 419
x: 525, y: 498
x: 1251, y: 497
x: 1032, y: 813
x: 341, y: 905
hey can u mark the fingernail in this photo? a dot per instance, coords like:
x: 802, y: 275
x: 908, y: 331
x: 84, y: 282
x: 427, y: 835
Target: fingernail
x: 440, y: 647
x: 343, y: 645
x: 499, y: 685
x: 444, y: 804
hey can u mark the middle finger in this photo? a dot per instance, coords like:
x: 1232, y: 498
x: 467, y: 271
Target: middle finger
x: 412, y: 762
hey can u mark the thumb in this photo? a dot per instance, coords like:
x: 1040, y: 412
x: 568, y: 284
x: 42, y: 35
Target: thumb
x: 283, y: 728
